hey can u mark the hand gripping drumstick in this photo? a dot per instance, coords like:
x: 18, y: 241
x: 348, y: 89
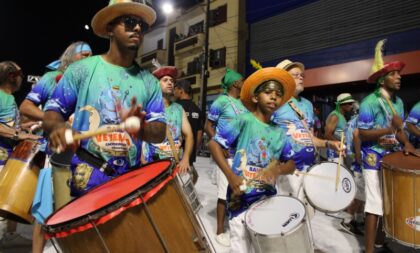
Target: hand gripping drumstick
x: 337, y: 175
x: 131, y: 125
x: 385, y: 95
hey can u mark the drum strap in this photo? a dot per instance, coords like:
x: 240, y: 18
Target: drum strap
x: 103, y: 166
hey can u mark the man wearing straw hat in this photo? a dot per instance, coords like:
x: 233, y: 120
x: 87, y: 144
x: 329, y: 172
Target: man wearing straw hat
x: 258, y: 142
x: 380, y: 128
x: 102, y: 91
x: 223, y: 110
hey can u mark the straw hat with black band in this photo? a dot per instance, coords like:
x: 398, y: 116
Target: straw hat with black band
x: 261, y: 76
x: 118, y: 8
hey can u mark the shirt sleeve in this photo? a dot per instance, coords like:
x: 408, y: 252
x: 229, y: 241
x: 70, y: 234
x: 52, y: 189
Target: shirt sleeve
x: 215, y: 110
x: 41, y: 91
x: 227, y: 136
x: 63, y: 99
x: 154, y: 108
x: 414, y: 115
x: 366, y: 116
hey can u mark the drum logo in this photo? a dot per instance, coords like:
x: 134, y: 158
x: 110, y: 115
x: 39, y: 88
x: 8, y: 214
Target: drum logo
x: 346, y: 184
x: 293, y: 216
x: 413, y: 222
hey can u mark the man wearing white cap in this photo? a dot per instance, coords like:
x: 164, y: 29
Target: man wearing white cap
x: 102, y: 91
x: 337, y: 120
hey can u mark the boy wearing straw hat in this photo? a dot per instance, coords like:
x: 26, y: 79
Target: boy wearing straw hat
x: 223, y: 110
x: 380, y: 128
x: 258, y: 142
x: 102, y: 91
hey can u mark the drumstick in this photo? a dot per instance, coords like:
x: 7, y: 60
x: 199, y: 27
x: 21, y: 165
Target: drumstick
x: 385, y: 95
x: 131, y: 125
x: 337, y: 176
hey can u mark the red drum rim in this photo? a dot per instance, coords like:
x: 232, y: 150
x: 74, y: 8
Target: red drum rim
x: 110, y: 199
x: 397, y: 160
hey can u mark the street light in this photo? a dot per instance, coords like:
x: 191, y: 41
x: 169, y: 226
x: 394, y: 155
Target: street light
x: 167, y: 8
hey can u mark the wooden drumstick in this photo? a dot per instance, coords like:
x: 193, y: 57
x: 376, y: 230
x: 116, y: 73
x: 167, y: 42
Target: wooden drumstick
x: 337, y: 176
x: 131, y: 125
x: 300, y: 173
x: 385, y: 95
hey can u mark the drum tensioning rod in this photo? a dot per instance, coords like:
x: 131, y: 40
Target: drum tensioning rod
x: 149, y: 216
x: 55, y: 247
x: 100, y: 236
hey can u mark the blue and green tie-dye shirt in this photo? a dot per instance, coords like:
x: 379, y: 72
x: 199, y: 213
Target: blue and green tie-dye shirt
x: 96, y: 91
x: 414, y: 118
x: 340, y: 127
x: 43, y: 90
x: 375, y: 113
x: 302, y: 149
x: 9, y: 116
x: 223, y: 110
x: 154, y: 151
x: 256, y: 144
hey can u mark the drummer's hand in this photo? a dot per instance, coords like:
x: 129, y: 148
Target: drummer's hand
x: 269, y: 176
x: 184, y: 166
x: 134, y: 110
x: 336, y: 146
x: 226, y: 153
x: 409, y: 149
x: 58, y: 140
x: 25, y: 136
x: 235, y: 183
x: 396, y: 122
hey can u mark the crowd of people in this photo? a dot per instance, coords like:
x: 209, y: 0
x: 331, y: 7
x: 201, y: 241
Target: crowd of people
x: 261, y: 129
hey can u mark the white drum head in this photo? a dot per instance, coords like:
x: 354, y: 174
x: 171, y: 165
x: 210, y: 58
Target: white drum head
x: 275, y: 216
x: 319, y: 187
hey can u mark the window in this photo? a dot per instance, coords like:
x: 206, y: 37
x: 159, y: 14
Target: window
x: 196, y: 28
x: 218, y: 58
x: 218, y: 16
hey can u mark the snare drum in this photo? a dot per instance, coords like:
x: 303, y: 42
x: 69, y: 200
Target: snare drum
x: 401, y: 191
x: 61, y: 175
x: 143, y: 210
x: 278, y: 224
x: 18, y: 181
x: 319, y: 186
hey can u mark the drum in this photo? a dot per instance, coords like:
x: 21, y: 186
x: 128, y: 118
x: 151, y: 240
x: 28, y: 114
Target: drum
x: 18, y: 180
x: 320, y: 189
x: 61, y: 174
x: 143, y: 210
x: 278, y: 224
x: 401, y: 192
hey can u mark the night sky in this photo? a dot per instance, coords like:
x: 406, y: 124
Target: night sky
x: 35, y: 33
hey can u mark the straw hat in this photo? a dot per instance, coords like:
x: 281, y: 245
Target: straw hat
x: 117, y: 8
x: 166, y: 71
x: 288, y: 64
x: 345, y: 98
x: 379, y: 69
x: 266, y: 74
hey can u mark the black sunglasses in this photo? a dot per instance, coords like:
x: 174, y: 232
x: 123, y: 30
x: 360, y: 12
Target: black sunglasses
x: 130, y: 23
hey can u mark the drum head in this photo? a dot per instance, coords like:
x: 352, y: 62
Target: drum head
x: 275, y: 216
x: 108, y: 193
x: 319, y: 187
x: 401, y: 161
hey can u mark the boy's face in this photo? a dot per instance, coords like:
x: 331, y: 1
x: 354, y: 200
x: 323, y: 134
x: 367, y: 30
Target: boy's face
x: 268, y: 101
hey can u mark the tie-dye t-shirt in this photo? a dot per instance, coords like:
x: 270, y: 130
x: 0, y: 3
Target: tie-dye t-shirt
x: 375, y: 113
x: 96, y: 92
x: 223, y: 110
x: 43, y: 90
x: 256, y: 144
x: 155, y: 151
x: 414, y: 118
x: 302, y: 149
x: 9, y: 115
x: 340, y: 127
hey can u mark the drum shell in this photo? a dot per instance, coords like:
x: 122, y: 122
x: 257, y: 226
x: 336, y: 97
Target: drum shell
x: 401, y: 198
x: 131, y: 230
x: 18, y: 180
x: 61, y: 174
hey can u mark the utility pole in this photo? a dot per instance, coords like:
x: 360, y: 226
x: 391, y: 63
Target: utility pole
x: 204, y: 70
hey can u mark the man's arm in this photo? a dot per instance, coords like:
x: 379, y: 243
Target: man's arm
x: 357, y: 147
x: 209, y: 128
x: 189, y: 143
x: 30, y: 110
x: 413, y: 129
x: 330, y: 127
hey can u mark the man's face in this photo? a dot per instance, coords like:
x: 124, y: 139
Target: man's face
x: 128, y: 31
x: 392, y: 81
x: 238, y: 84
x: 298, y: 75
x: 177, y: 92
x: 167, y: 85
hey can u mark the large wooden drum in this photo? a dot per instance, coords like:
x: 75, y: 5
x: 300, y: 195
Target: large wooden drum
x: 401, y: 192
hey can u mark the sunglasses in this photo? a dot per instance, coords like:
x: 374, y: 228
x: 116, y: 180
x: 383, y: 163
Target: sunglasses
x: 130, y: 23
